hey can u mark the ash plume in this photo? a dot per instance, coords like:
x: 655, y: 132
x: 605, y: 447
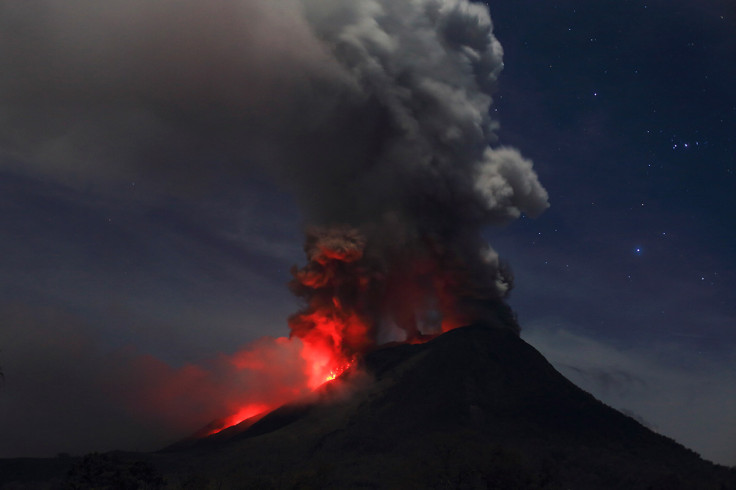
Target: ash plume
x: 373, y: 113
x: 431, y: 181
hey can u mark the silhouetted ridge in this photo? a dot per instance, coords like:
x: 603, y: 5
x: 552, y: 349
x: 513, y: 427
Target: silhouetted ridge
x: 475, y: 406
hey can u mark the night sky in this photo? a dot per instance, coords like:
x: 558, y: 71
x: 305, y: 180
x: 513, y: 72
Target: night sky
x: 113, y: 281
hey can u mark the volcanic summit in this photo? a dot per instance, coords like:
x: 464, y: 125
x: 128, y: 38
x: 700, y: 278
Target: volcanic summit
x: 476, y: 407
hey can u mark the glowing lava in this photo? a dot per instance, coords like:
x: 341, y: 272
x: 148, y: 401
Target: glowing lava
x: 333, y: 326
x: 346, y: 296
x: 337, y: 372
x: 248, y: 411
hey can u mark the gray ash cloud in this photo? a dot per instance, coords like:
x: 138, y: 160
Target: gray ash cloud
x: 374, y: 114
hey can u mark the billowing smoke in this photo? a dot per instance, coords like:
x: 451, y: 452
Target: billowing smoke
x: 373, y: 113
x: 412, y: 255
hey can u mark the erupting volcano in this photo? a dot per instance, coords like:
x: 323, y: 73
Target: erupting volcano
x: 373, y: 115
x: 373, y: 120
x: 357, y: 297
x: 476, y: 407
x: 355, y: 301
x: 402, y: 183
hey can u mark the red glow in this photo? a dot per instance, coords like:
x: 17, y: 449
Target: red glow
x: 332, y: 326
x: 347, y: 295
x: 337, y: 372
x: 244, y: 413
x: 351, y: 300
x: 324, y: 344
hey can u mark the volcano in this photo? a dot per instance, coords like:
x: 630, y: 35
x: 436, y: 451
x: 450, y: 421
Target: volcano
x: 476, y: 407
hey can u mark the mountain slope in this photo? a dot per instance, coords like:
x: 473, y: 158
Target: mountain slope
x: 474, y: 408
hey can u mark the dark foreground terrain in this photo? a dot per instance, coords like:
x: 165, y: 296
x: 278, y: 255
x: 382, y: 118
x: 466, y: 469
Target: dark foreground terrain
x: 476, y: 408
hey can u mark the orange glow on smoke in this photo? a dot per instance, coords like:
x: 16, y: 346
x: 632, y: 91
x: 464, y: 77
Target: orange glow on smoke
x: 244, y: 413
x: 322, y: 363
x: 329, y: 340
x: 323, y: 345
x: 337, y: 372
x: 345, y: 296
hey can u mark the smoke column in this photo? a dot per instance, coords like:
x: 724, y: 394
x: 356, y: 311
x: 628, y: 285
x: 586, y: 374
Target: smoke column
x: 373, y: 113
x: 399, y: 245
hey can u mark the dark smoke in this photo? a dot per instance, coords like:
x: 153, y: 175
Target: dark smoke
x: 374, y: 113
x: 419, y: 200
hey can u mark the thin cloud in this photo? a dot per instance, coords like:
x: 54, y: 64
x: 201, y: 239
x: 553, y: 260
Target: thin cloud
x: 680, y: 395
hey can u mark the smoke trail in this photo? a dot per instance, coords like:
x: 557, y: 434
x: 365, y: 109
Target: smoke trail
x: 418, y: 201
x: 370, y: 111
x: 374, y: 113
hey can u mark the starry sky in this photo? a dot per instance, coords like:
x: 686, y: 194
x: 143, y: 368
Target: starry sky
x: 626, y: 283
x: 626, y: 109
